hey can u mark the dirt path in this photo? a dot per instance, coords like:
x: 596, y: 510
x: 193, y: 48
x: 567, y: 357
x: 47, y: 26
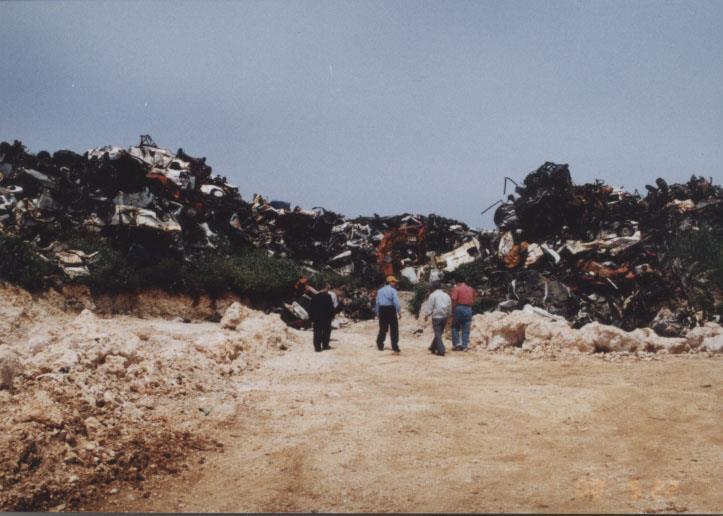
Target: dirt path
x: 355, y: 429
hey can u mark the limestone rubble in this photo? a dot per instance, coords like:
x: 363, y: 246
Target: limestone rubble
x: 532, y: 331
x: 89, y: 400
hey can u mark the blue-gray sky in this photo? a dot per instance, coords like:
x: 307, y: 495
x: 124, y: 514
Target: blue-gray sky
x: 376, y: 106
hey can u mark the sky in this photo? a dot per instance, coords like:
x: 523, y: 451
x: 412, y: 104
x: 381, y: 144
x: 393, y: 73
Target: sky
x: 370, y: 106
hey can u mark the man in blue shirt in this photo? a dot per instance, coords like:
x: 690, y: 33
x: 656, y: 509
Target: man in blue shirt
x: 388, y: 309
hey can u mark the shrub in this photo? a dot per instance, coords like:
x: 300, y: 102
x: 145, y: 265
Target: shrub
x: 168, y: 274
x: 109, y: 270
x: 478, y: 307
x: 254, y: 274
x: 404, y: 284
x: 21, y: 265
x: 335, y: 279
x: 471, y: 273
x: 421, y: 291
x: 700, y: 255
x: 208, y: 274
x: 257, y: 273
x: 703, y: 251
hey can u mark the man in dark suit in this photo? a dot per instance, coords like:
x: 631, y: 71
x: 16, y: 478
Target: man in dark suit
x: 321, y: 312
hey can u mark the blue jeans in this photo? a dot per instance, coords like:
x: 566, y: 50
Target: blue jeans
x: 462, y: 319
x: 437, y: 344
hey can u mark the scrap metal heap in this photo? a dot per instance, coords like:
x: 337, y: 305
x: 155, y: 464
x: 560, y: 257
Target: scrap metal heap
x: 586, y: 252
x: 153, y: 203
x: 592, y: 252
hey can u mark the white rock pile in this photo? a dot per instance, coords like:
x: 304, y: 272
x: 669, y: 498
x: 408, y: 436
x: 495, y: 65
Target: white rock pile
x: 536, y: 331
x: 100, y: 399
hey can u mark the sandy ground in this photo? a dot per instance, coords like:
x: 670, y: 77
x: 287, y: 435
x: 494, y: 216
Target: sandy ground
x: 355, y: 429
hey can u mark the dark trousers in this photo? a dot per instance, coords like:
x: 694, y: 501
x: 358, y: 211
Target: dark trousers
x: 388, y: 321
x: 437, y: 345
x: 322, y: 334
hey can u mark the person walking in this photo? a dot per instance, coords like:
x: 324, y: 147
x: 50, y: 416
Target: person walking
x: 388, y: 309
x: 462, y: 299
x: 321, y: 312
x: 438, y: 306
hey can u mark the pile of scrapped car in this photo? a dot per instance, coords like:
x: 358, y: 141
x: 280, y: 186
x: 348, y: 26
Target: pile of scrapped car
x: 586, y: 252
x: 156, y: 203
x: 592, y: 252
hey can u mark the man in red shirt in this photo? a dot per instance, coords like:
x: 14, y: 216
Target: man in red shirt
x: 462, y: 299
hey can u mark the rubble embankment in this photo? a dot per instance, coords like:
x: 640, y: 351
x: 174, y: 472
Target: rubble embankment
x: 539, y: 334
x: 146, y: 303
x: 89, y: 400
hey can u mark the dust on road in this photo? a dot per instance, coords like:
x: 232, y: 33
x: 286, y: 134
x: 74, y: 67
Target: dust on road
x: 355, y: 429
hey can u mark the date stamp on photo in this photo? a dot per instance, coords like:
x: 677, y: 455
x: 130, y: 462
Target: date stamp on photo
x: 594, y: 489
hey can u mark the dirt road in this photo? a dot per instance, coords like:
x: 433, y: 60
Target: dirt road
x: 355, y: 429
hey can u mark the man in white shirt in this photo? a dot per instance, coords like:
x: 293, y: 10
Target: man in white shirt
x: 438, y: 306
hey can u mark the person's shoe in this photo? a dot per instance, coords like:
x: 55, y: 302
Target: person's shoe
x: 439, y: 354
x: 456, y: 348
x: 325, y: 348
x: 397, y: 351
x: 318, y: 350
x: 464, y: 349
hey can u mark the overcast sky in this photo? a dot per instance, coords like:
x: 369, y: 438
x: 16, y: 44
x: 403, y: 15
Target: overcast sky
x: 376, y: 106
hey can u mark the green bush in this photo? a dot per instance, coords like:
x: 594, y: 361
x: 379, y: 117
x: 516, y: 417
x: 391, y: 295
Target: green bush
x: 109, y: 269
x: 478, y: 307
x: 701, y: 250
x: 21, y: 265
x: 699, y: 257
x: 254, y: 273
x: 208, y: 274
x: 704, y: 247
x: 472, y: 273
x: 258, y: 273
x: 335, y: 279
x: 404, y: 284
x: 168, y: 274
x: 421, y: 291
x: 251, y: 274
